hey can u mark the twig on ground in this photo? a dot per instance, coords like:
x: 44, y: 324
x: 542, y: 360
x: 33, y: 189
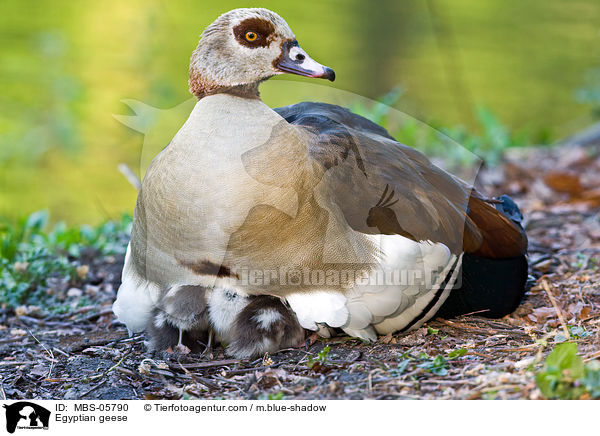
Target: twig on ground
x: 112, y: 368
x: 460, y: 325
x: 17, y: 363
x: 125, y: 371
x: 50, y: 353
x: 198, y: 379
x: 2, y: 393
x: 204, y: 364
x: 64, y: 353
x: 98, y: 314
x: 92, y: 389
x: 476, y: 353
x: 592, y: 356
x: 497, y: 388
x: 561, y: 318
x: 256, y: 368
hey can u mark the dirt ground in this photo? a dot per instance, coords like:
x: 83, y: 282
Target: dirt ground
x: 87, y: 355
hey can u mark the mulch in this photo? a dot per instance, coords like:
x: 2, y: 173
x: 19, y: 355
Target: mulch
x: 85, y: 354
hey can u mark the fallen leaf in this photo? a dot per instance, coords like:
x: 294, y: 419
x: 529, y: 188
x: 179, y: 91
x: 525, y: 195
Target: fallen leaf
x: 541, y: 313
x: 564, y: 182
x: 387, y: 339
x: 39, y: 370
x: 82, y: 271
x: 182, y: 349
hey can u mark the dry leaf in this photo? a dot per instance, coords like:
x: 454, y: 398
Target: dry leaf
x: 39, y: 370
x: 387, y: 339
x: 82, y: 271
x: 564, y: 182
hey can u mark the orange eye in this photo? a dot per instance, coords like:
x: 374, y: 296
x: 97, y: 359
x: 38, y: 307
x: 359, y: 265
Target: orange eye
x: 251, y: 36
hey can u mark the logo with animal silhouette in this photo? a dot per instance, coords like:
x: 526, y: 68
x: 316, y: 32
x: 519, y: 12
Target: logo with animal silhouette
x: 26, y: 415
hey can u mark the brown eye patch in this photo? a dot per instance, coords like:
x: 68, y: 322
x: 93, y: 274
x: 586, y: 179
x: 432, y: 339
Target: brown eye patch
x: 254, y: 32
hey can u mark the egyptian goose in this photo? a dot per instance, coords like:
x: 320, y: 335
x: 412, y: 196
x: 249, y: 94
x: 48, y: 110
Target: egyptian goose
x: 258, y: 223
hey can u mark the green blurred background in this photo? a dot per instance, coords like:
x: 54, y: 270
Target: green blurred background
x: 66, y: 65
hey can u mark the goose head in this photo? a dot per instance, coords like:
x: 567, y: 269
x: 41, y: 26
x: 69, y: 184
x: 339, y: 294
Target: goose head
x: 244, y: 47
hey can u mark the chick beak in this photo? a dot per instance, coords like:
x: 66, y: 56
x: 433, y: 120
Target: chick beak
x: 294, y: 60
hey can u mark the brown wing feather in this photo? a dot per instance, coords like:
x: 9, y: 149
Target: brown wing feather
x: 384, y: 187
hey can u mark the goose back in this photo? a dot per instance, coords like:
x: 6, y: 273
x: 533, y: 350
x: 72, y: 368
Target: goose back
x: 385, y: 187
